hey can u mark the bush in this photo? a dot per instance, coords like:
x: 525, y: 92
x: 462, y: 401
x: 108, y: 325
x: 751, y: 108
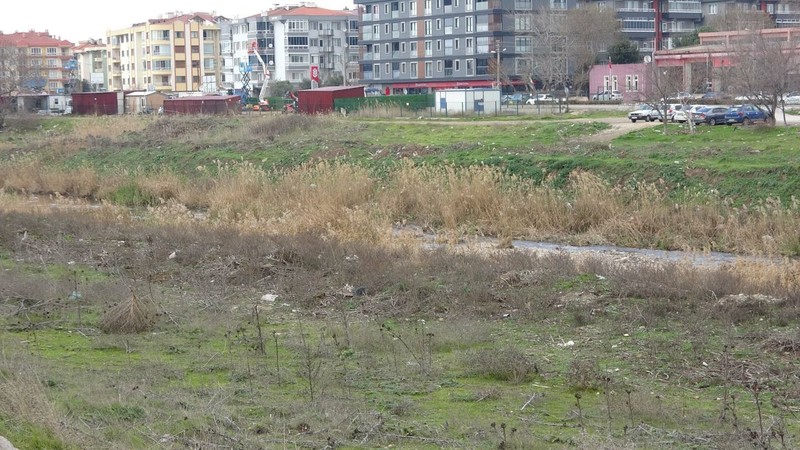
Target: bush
x: 506, y: 364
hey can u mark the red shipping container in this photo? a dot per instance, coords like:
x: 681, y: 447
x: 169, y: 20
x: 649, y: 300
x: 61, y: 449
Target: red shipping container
x: 97, y: 103
x: 207, y: 104
x: 319, y: 101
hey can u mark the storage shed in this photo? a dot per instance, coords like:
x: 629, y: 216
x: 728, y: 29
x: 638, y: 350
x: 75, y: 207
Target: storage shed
x: 144, y: 102
x: 98, y: 103
x: 463, y: 101
x: 206, y: 104
x: 320, y: 100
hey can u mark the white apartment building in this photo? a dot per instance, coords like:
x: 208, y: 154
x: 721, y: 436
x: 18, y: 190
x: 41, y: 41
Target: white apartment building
x: 179, y: 52
x: 290, y: 40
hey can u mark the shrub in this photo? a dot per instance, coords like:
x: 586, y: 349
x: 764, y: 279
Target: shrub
x: 506, y: 364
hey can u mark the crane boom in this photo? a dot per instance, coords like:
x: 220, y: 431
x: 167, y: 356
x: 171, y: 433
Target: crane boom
x: 262, y: 95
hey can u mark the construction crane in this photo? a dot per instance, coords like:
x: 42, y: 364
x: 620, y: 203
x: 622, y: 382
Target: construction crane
x: 263, y: 103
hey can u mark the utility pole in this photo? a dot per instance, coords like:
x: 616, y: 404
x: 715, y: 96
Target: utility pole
x: 497, y: 50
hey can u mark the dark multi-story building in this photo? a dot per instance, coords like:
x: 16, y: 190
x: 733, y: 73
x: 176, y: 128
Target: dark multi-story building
x: 423, y: 44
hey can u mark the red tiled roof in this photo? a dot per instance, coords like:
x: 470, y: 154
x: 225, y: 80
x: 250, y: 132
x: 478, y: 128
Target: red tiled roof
x: 309, y: 11
x: 33, y: 39
x: 185, y: 18
x: 88, y: 44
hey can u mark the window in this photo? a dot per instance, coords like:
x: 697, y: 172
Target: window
x: 402, y: 27
x: 386, y: 29
x: 713, y: 9
x: 297, y: 41
x: 428, y: 48
x: 179, y: 35
x: 457, y: 65
x: 412, y: 7
x: 412, y: 28
x: 402, y: 67
x: 413, y: 70
x: 456, y: 22
x: 468, y: 43
x: 376, y: 71
x: 468, y: 27
x: 162, y: 64
x: 470, y: 66
x: 297, y: 59
x: 54, y: 74
x: 438, y: 45
x: 403, y: 47
x: 456, y: 43
x: 428, y: 28
x: 412, y: 48
x: 386, y: 49
x: 439, y: 65
x: 438, y: 24
x: 180, y: 79
x: 52, y: 51
x: 297, y: 25
x: 36, y: 51
x: 428, y: 69
x: 52, y: 63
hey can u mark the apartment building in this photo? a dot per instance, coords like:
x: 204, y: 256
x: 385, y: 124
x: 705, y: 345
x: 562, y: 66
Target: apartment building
x: 426, y: 44
x: 44, y: 61
x: 290, y: 40
x: 174, y: 53
x: 92, y: 63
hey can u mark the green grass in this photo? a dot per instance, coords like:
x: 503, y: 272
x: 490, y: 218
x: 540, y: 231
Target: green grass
x: 745, y: 163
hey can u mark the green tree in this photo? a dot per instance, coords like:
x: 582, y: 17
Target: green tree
x: 305, y: 84
x: 686, y: 40
x: 624, y: 52
x: 334, y: 79
x: 279, y: 88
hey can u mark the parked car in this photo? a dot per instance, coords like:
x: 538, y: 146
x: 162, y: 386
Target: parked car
x: 672, y: 108
x: 712, y: 115
x: 539, y: 99
x: 607, y: 96
x: 751, y: 98
x: 645, y: 112
x: 792, y: 98
x: 712, y: 96
x: 682, y: 115
x: 517, y: 98
x: 744, y: 114
x: 678, y: 96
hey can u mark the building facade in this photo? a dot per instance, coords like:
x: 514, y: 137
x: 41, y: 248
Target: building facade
x: 289, y: 41
x: 92, y: 68
x: 43, y: 64
x: 175, y: 53
x: 435, y: 44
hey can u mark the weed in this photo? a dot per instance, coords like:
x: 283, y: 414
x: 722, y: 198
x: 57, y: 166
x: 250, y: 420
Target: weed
x: 503, y: 364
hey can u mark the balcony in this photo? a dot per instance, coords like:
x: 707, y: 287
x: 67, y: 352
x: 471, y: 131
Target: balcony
x: 326, y: 32
x: 685, y: 7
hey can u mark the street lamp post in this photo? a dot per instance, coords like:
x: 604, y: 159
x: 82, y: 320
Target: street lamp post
x: 496, y: 51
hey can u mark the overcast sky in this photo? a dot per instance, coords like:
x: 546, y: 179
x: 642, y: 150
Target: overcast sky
x: 77, y: 21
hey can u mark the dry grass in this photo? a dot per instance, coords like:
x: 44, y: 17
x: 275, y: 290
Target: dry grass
x: 132, y: 315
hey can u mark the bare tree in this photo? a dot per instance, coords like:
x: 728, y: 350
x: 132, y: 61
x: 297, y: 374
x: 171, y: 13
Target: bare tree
x: 548, y: 53
x: 591, y: 30
x: 735, y: 19
x: 764, y: 69
x: 660, y: 83
x: 559, y: 46
x: 13, y: 67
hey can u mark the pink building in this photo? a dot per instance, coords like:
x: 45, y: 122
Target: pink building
x: 629, y: 79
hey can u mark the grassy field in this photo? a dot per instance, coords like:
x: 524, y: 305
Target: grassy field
x: 259, y: 282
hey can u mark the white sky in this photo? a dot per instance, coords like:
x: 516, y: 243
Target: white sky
x: 78, y: 21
